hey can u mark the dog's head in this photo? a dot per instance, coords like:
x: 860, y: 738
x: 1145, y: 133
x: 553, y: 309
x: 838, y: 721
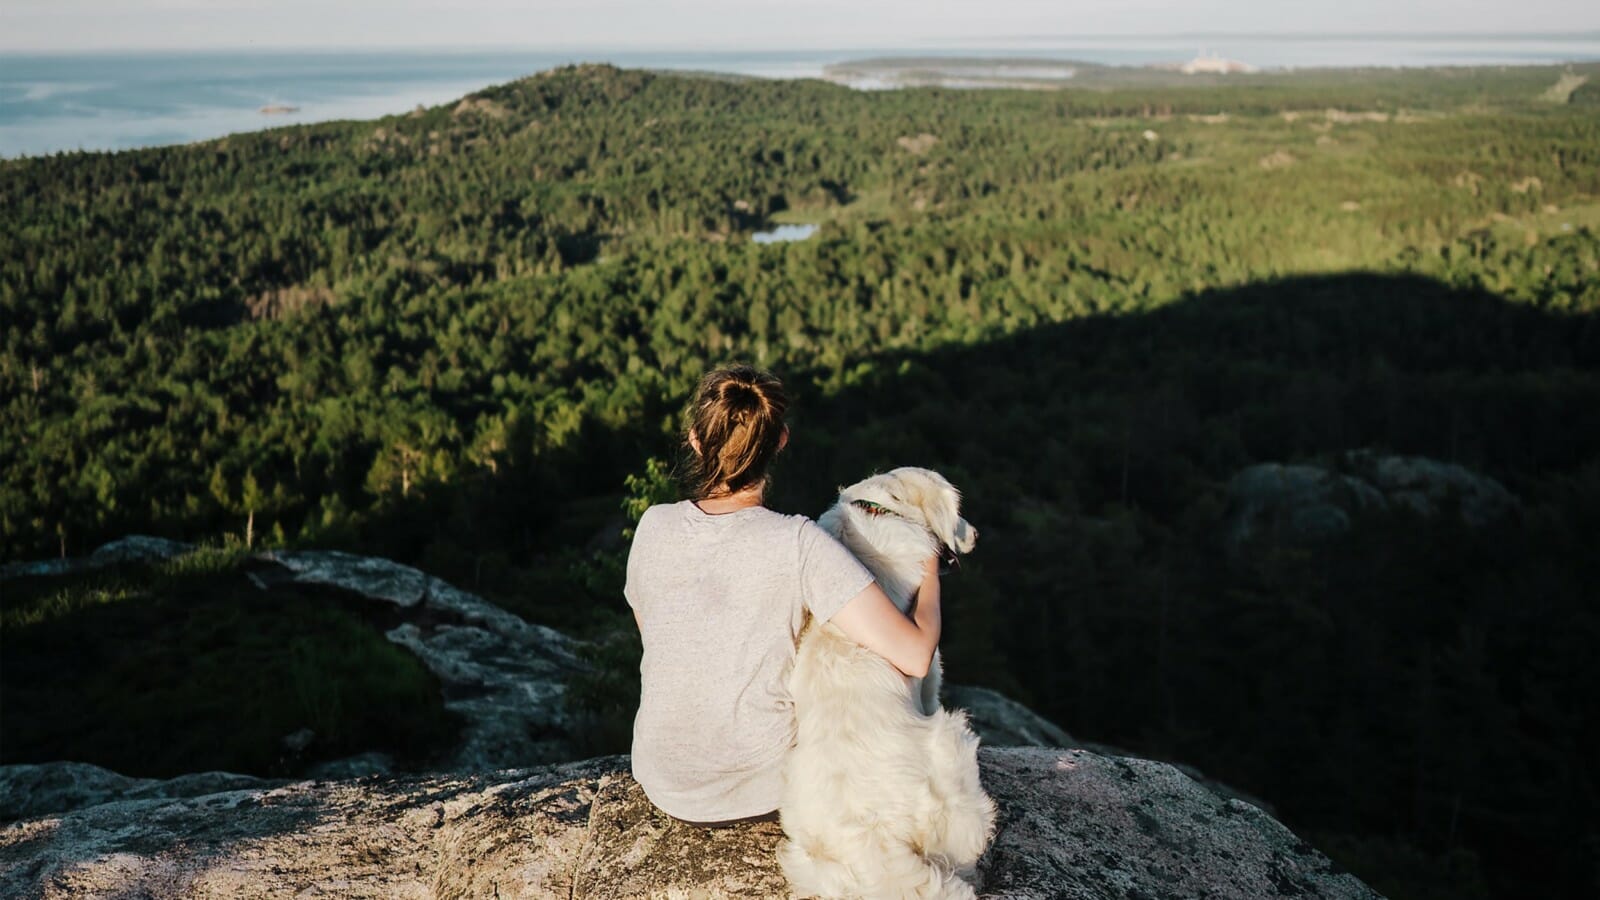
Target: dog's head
x: 922, y: 496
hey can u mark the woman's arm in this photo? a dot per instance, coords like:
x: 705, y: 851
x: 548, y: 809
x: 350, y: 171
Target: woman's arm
x: 871, y: 620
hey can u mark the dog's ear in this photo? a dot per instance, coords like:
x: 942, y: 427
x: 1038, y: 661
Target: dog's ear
x: 938, y: 500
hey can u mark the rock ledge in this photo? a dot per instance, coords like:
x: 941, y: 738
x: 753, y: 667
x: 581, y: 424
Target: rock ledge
x: 1073, y: 824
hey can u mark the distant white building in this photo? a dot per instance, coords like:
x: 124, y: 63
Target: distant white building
x: 1214, y: 65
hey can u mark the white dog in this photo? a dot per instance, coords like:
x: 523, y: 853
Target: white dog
x: 882, y: 798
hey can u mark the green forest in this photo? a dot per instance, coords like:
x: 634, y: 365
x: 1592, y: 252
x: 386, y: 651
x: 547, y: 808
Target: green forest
x: 462, y: 338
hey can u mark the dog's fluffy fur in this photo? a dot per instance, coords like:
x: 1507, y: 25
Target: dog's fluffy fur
x: 882, y: 798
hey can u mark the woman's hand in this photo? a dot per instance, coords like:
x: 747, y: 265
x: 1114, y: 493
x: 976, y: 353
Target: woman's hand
x: 907, y: 642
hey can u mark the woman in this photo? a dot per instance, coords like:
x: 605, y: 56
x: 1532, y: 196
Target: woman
x: 719, y: 586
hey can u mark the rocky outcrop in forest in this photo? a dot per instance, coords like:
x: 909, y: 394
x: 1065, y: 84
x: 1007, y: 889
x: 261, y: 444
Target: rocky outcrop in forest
x: 503, y: 676
x: 1310, y: 502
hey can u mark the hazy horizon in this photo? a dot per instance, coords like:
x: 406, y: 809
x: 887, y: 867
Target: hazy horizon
x: 978, y: 42
x: 56, y: 26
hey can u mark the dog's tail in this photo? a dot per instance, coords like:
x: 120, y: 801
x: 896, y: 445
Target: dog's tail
x: 962, y: 822
x: 878, y: 865
x: 814, y: 872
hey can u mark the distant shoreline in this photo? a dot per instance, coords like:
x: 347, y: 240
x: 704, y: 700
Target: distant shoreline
x: 122, y: 100
x: 976, y: 72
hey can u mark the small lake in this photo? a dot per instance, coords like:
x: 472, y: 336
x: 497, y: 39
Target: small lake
x: 784, y: 233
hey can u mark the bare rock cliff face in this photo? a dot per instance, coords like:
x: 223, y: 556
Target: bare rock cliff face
x: 1073, y: 824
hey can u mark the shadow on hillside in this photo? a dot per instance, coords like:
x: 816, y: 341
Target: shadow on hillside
x: 1139, y: 410
x: 1096, y: 422
x: 1385, y: 682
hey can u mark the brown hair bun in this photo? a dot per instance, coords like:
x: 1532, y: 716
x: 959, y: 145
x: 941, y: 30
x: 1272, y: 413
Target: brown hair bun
x: 737, y: 418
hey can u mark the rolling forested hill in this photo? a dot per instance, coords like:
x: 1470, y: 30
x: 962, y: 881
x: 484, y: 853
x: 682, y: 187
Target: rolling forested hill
x: 449, y: 337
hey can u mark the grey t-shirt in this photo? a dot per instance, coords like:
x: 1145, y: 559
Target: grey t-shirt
x: 720, y: 601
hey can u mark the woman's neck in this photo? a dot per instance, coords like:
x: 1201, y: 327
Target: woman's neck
x: 720, y: 503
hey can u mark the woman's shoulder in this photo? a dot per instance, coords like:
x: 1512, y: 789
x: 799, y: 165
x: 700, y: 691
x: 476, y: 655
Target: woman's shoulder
x: 808, y: 533
x: 663, y: 515
x: 793, y: 522
x: 805, y: 524
x: 658, y: 517
x: 750, y: 521
x: 659, y: 510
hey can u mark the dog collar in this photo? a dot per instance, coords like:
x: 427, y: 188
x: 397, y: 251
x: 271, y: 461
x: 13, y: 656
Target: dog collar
x: 874, y: 509
x: 947, y: 554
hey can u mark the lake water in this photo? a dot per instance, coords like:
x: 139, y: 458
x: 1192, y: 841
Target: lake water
x: 110, y: 101
x: 783, y: 234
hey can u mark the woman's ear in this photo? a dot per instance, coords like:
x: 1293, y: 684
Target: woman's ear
x: 694, y: 442
x: 783, y: 437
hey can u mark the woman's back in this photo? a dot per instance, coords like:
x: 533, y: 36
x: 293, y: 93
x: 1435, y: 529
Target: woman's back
x: 720, y: 601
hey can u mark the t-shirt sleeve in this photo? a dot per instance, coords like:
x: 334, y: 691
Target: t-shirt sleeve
x: 830, y: 575
x: 638, y: 552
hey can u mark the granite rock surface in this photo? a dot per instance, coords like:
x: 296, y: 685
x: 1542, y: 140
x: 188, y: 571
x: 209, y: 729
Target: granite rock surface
x: 1073, y: 824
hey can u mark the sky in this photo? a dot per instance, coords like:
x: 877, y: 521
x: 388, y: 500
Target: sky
x: 56, y: 25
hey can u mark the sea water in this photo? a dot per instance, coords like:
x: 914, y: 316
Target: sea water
x: 110, y: 101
